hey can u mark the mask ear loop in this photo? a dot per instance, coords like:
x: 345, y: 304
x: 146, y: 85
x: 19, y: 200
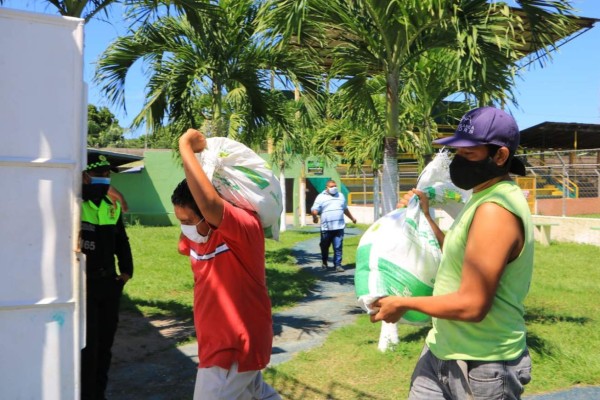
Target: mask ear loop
x: 209, y: 227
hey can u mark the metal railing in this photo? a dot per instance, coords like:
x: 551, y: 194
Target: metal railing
x: 557, y: 182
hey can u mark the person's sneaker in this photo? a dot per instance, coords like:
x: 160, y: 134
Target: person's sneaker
x: 323, y: 267
x: 339, y: 269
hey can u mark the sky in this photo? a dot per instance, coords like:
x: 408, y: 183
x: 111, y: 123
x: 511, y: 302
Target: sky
x: 566, y: 89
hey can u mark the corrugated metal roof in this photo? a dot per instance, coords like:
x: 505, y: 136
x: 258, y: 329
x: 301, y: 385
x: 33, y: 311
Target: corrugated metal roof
x: 561, y: 135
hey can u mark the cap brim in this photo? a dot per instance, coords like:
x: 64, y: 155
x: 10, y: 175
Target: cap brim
x: 103, y: 168
x: 517, y: 167
x: 455, y: 141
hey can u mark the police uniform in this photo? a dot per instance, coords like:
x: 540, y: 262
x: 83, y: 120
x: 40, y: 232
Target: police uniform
x: 102, y: 237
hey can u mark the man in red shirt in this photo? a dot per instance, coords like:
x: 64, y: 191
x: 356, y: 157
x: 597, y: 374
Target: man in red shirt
x: 232, y: 309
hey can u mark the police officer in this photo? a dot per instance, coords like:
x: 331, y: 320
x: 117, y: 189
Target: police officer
x: 103, y: 237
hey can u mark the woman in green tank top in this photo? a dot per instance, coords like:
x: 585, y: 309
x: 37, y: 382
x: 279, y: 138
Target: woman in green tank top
x: 476, y: 348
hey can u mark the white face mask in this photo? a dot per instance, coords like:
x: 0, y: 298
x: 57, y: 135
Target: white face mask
x: 333, y: 190
x: 191, y: 233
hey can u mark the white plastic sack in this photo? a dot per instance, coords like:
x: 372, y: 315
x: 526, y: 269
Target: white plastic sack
x: 436, y: 183
x: 399, y: 254
x: 243, y: 178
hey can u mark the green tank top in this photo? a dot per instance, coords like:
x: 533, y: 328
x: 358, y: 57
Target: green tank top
x: 501, y: 334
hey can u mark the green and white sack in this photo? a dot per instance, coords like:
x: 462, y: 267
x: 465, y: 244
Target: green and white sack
x: 399, y: 254
x: 244, y: 179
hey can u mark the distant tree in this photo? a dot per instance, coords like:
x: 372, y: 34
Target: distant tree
x: 161, y: 138
x: 103, y: 128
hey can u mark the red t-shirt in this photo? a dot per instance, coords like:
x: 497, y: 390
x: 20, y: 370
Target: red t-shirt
x: 232, y: 309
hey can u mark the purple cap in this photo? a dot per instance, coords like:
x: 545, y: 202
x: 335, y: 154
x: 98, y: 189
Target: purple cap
x: 487, y: 125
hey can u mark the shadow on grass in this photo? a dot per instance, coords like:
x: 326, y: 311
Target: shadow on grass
x: 418, y: 336
x: 288, y: 287
x: 146, y: 362
x: 279, y: 256
x: 541, y: 316
x: 539, y: 345
x: 168, y: 308
x: 292, y: 389
x: 308, y: 230
x: 534, y: 342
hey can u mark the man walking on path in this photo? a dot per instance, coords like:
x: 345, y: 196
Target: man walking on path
x: 232, y: 309
x: 331, y: 206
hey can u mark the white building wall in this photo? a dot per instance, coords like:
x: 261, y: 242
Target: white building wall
x: 41, y: 151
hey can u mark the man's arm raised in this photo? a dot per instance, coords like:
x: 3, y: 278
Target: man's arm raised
x: 208, y: 200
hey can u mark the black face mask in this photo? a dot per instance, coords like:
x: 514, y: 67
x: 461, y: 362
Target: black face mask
x: 93, y: 192
x: 467, y: 174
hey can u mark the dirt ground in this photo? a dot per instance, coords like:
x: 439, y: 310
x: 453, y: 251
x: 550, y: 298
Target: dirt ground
x: 146, y: 364
x: 139, y: 337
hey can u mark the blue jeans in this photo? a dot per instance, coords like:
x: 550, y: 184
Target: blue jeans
x: 327, y: 238
x: 435, y: 379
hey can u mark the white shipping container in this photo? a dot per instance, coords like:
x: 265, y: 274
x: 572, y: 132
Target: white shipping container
x: 42, y: 132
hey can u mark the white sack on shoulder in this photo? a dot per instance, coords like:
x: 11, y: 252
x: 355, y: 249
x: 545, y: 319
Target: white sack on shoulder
x: 243, y: 178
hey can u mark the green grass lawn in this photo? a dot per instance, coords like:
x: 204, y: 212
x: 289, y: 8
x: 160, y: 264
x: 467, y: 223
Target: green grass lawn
x: 564, y: 331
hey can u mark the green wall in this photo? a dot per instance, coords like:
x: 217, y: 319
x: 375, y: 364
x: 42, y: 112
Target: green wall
x: 148, y: 192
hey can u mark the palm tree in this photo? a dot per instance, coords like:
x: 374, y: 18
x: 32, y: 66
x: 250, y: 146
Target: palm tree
x: 432, y: 78
x: 367, y: 37
x: 219, y: 56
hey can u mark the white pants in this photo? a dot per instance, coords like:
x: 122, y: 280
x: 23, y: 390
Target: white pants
x: 216, y: 383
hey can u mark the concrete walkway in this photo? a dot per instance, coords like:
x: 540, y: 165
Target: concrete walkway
x: 583, y: 393
x: 330, y: 305
x: 169, y: 374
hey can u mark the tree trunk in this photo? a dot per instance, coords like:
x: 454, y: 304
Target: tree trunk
x: 302, y: 180
x: 217, y: 110
x: 390, y: 150
x: 302, y: 194
x: 376, y: 195
x: 282, y: 222
x: 390, y: 175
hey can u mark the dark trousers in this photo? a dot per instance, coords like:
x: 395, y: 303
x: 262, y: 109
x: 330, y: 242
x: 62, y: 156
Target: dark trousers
x: 102, y: 317
x: 335, y: 237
